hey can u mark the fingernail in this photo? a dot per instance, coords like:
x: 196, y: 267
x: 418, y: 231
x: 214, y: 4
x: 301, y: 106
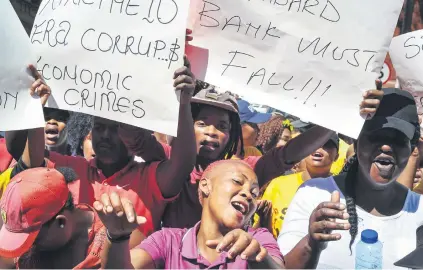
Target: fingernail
x: 119, y: 214
x: 218, y: 248
x: 109, y: 208
x: 131, y: 218
x: 243, y: 256
x: 346, y: 215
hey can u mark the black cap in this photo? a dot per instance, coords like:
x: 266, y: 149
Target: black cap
x: 52, y: 111
x: 397, y: 110
x: 335, y: 140
x: 414, y: 259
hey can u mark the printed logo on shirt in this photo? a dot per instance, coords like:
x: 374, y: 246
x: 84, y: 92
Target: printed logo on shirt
x: 3, y: 215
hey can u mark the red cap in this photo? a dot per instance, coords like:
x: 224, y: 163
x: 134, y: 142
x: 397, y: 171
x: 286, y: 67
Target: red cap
x: 32, y: 198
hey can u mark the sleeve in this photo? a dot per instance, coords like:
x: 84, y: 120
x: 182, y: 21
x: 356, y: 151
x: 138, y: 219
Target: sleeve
x: 155, y: 246
x: 266, y: 240
x: 4, y: 180
x: 153, y: 187
x: 5, y: 157
x: 142, y: 143
x: 270, y: 165
x: 295, y: 226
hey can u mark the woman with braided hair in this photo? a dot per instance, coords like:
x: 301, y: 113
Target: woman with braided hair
x: 326, y: 217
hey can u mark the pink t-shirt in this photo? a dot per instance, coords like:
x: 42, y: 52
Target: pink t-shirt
x: 185, y: 211
x: 177, y: 249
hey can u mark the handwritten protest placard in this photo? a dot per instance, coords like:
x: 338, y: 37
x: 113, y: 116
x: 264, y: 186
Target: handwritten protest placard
x: 310, y: 58
x: 113, y: 58
x: 406, y: 53
x: 18, y: 109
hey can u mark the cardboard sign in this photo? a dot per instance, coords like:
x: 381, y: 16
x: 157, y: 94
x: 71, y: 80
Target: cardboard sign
x: 407, y: 57
x: 308, y: 58
x: 113, y: 59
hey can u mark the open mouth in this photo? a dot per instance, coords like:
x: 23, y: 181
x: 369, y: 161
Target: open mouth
x: 240, y: 207
x: 385, y: 164
x: 317, y: 156
x: 208, y: 145
x: 52, y: 133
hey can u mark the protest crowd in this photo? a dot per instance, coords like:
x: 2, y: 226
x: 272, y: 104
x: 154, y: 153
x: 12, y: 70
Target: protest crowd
x: 232, y: 188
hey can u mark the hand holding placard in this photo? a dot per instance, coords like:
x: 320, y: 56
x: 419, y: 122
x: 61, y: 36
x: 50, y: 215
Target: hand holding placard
x: 106, y: 58
x: 15, y: 55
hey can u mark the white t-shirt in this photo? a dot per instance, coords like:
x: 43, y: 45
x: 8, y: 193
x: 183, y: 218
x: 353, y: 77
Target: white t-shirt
x: 397, y: 233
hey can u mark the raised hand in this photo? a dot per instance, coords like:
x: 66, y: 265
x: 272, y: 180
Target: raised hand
x: 239, y: 243
x: 184, y: 82
x: 188, y: 36
x: 118, y: 215
x: 264, y: 210
x: 323, y: 221
x: 39, y: 87
x: 371, y: 101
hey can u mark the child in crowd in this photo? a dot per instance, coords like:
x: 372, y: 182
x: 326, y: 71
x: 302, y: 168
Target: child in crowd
x: 323, y: 233
x: 227, y: 191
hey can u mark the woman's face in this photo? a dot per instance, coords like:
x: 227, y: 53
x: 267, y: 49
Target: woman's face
x: 233, y: 195
x: 383, y: 155
x: 249, y: 134
x: 212, y: 132
x: 285, y: 137
x: 87, y: 147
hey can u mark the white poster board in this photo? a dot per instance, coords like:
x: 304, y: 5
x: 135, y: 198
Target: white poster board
x: 406, y: 53
x: 308, y: 58
x: 18, y: 109
x: 113, y: 58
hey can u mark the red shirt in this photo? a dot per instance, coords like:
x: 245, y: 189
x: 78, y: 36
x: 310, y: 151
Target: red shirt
x: 137, y: 182
x: 5, y: 157
x: 186, y: 210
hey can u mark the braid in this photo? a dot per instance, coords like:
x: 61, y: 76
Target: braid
x: 270, y: 133
x: 351, y: 168
x: 235, y: 138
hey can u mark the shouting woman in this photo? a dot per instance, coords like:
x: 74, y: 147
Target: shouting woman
x: 323, y: 231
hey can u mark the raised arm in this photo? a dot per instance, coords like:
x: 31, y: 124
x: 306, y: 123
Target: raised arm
x: 141, y: 142
x: 33, y: 154
x: 275, y: 162
x: 172, y: 173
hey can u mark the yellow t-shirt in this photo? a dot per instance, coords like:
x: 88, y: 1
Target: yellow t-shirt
x: 338, y: 165
x: 5, y: 180
x: 280, y: 192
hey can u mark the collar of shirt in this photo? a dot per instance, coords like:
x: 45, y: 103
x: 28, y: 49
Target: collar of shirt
x: 189, y: 250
